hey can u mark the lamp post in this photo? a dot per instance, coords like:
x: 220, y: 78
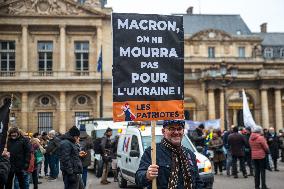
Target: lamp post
x: 224, y: 75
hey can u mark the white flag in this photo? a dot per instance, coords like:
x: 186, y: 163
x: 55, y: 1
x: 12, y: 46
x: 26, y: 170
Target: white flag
x: 248, y: 119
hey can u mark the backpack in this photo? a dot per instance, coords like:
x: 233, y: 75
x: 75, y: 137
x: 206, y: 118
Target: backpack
x: 38, y: 156
x: 98, y: 146
x: 31, y: 167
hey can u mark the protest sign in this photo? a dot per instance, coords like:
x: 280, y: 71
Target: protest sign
x: 148, y: 67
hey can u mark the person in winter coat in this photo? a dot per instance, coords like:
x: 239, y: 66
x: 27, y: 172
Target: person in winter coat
x: 35, y: 149
x: 237, y: 144
x: 176, y: 165
x: 259, y: 149
x: 281, y: 142
x: 273, y: 143
x: 246, y: 132
x: 52, y: 149
x: 20, y: 153
x: 198, y: 137
x: 114, y: 158
x: 216, y: 144
x: 107, y: 153
x: 4, y: 167
x: 70, y: 162
x: 86, y: 144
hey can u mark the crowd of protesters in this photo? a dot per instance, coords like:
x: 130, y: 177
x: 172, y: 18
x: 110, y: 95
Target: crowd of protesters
x: 256, y: 149
x: 28, y: 158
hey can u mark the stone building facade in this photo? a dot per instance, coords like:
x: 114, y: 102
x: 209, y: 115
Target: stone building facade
x: 214, y: 40
x: 49, y: 51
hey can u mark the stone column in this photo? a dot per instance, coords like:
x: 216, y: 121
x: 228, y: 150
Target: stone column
x: 62, y: 108
x: 211, y: 104
x: 222, y: 111
x: 24, y: 50
x: 264, y: 109
x: 24, y: 112
x: 62, y: 48
x: 278, y: 110
x: 235, y: 120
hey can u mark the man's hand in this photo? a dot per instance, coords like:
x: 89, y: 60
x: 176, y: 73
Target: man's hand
x: 152, y: 172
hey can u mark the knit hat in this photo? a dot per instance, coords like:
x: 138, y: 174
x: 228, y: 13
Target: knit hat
x: 173, y: 122
x: 257, y: 129
x: 108, y: 130
x: 74, y: 131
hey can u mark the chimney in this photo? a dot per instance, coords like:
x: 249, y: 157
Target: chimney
x: 263, y: 28
x: 189, y: 10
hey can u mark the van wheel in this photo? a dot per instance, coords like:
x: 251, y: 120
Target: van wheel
x: 122, y: 183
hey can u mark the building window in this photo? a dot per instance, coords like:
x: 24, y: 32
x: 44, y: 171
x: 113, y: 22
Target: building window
x: 7, y: 55
x: 82, y: 100
x: 82, y: 55
x: 82, y: 114
x: 45, y: 56
x: 45, y: 121
x: 211, y: 52
x: 242, y: 52
x: 268, y: 52
x: 282, y: 53
x: 81, y: 1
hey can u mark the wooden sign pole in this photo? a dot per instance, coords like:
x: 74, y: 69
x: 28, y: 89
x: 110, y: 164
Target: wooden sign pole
x: 153, y: 150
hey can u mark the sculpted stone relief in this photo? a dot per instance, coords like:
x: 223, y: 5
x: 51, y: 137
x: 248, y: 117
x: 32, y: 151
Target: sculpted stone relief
x: 46, y: 7
x: 211, y: 35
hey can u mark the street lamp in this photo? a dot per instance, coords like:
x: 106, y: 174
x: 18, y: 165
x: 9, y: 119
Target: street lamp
x: 228, y: 75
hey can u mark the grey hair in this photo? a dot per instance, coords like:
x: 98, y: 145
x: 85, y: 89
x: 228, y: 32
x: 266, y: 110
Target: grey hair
x: 52, y: 132
x: 257, y: 129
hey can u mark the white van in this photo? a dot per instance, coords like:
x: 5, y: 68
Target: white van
x: 132, y: 144
x: 96, y: 129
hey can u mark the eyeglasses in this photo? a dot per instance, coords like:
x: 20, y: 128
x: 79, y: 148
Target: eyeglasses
x: 172, y: 129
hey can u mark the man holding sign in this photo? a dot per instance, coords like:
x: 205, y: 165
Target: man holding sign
x: 176, y: 165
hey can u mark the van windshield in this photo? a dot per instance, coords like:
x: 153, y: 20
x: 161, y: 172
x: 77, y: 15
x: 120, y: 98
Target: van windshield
x: 146, y: 140
x: 100, y: 133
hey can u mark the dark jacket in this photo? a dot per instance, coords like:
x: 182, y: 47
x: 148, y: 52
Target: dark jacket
x: 70, y: 162
x: 106, y: 148
x: 196, y: 138
x: 53, y: 145
x: 4, y: 169
x: 20, y: 153
x: 86, y: 144
x: 273, y: 143
x: 164, y: 161
x: 237, y: 144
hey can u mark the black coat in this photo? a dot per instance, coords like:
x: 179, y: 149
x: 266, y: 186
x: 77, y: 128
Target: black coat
x: 164, y: 161
x: 20, y: 153
x: 4, y: 169
x: 237, y: 144
x: 86, y: 144
x: 53, y: 145
x: 70, y: 162
x: 273, y: 143
x: 196, y: 138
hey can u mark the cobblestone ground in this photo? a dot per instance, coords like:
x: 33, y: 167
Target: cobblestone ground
x: 274, y: 181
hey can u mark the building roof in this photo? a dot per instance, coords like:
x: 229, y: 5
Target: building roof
x: 232, y: 24
x: 272, y: 39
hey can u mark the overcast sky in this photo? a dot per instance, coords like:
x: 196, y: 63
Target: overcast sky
x: 253, y: 12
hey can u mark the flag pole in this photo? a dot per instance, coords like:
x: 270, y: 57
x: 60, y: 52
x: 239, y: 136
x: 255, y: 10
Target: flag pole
x: 153, y: 151
x: 102, y: 86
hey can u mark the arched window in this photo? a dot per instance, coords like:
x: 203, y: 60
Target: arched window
x: 268, y: 52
